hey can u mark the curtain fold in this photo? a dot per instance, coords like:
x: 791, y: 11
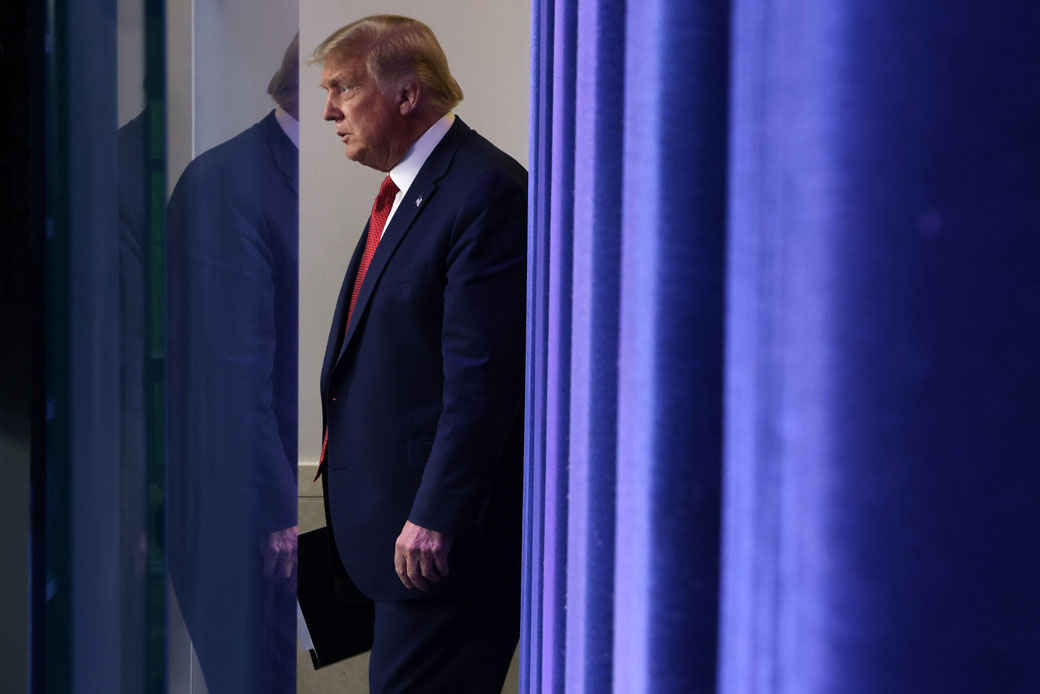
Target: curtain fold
x: 669, y: 425
x: 594, y: 347
x: 881, y: 375
x: 783, y: 339
x: 627, y: 478
x: 536, y: 416
x: 560, y: 180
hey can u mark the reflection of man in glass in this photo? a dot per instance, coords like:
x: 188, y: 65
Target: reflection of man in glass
x: 232, y: 336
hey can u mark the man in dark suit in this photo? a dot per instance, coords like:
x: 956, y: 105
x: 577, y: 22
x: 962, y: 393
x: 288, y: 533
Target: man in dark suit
x: 422, y: 384
x: 232, y: 378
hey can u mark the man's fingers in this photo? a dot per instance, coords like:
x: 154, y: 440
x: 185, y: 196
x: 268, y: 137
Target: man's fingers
x: 426, y: 565
x: 401, y: 567
x: 288, y: 564
x: 279, y: 552
x: 415, y: 573
x: 290, y: 583
x: 440, y: 561
x: 421, y: 556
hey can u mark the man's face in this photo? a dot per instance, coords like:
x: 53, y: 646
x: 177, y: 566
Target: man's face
x: 367, y: 120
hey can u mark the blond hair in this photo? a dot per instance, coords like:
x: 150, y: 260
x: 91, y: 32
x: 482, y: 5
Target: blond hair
x: 396, y: 48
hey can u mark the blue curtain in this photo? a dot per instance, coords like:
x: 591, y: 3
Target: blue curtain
x: 783, y: 348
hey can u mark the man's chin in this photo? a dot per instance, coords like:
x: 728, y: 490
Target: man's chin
x: 357, y: 157
x: 353, y: 152
x: 364, y: 160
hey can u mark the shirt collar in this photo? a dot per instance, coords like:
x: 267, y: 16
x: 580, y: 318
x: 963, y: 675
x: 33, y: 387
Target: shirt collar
x: 408, y: 168
x: 290, y: 126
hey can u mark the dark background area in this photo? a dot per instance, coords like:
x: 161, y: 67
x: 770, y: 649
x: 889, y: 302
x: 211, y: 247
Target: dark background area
x: 22, y: 292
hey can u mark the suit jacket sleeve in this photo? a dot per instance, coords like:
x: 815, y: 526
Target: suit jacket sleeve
x: 483, y: 348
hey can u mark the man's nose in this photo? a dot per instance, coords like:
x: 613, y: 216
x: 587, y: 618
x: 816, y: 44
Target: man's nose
x: 331, y: 112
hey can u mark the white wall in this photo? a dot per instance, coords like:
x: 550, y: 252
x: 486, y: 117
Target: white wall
x: 487, y: 43
x: 130, y: 59
x: 220, y: 55
x: 239, y: 45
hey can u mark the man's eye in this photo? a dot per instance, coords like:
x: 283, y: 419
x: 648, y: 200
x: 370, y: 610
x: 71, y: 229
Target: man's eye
x: 343, y: 88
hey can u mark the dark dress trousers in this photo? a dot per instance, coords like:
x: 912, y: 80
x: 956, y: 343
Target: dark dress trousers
x: 232, y: 336
x: 422, y: 393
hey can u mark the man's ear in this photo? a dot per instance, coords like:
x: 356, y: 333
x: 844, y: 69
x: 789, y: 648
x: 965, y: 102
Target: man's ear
x: 408, y: 96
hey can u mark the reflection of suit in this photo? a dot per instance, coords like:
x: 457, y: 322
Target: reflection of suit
x: 232, y: 335
x: 423, y: 398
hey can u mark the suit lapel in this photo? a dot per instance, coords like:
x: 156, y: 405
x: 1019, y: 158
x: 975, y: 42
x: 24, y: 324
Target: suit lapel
x: 406, y: 214
x: 339, y: 318
x: 414, y: 201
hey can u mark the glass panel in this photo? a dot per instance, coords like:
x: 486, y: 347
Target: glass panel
x: 21, y: 313
x: 98, y: 597
x: 165, y: 511
x: 232, y: 267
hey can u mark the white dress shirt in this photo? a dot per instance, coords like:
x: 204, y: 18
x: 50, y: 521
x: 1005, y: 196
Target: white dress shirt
x: 290, y: 126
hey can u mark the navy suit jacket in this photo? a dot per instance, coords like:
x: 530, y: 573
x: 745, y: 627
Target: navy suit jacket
x: 422, y: 393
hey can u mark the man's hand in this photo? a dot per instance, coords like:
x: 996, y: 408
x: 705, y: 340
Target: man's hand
x: 421, y: 555
x: 279, y: 550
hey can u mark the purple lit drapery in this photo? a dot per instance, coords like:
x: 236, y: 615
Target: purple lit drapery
x: 785, y: 279
x: 620, y: 267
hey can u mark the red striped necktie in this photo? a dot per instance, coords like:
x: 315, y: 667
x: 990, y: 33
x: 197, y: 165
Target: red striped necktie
x: 384, y: 202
